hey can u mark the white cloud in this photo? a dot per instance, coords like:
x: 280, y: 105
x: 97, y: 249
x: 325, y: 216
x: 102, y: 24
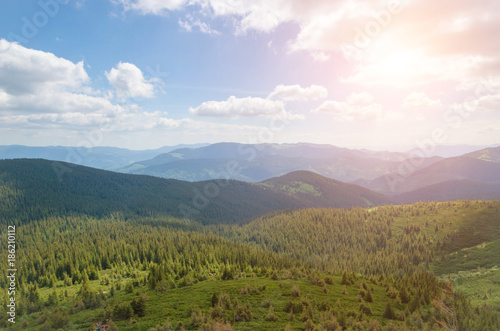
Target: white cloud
x: 240, y: 107
x: 154, y: 7
x: 419, y: 101
x: 272, y: 106
x: 298, y: 93
x: 26, y: 71
x: 358, y: 107
x: 39, y: 91
x: 190, y: 22
x: 481, y: 103
x: 397, y: 43
x: 129, y: 81
x: 33, y: 81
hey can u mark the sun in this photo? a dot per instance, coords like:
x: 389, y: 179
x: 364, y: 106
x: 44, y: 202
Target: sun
x: 399, y: 64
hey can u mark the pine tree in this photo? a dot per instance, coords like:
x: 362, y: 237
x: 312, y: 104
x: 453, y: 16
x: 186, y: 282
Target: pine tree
x: 389, y: 313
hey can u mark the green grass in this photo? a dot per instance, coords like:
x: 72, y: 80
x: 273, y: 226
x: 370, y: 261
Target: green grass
x: 174, y: 305
x: 485, y: 255
x: 300, y: 187
x: 481, y: 286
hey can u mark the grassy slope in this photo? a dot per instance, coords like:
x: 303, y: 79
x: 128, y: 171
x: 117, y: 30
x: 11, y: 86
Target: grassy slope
x: 471, y: 229
x: 471, y: 258
x: 174, y: 305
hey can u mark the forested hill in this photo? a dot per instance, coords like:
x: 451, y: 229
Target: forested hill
x: 35, y: 189
x: 321, y: 191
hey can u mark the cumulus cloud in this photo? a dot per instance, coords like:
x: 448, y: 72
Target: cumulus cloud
x: 240, y: 107
x: 190, y: 23
x: 418, y: 100
x: 154, y: 7
x: 129, y: 81
x: 359, y: 107
x: 41, y: 90
x: 272, y: 106
x: 298, y: 93
x: 400, y: 43
x: 25, y: 71
x: 478, y: 103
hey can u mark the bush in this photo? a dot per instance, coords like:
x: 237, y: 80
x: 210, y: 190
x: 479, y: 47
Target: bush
x: 368, y: 296
x: 266, y: 303
x: 122, y: 311
x: 227, y: 274
x: 197, y: 317
x: 129, y: 288
x: 243, y: 313
x: 389, y: 313
x: 294, y: 307
x: 271, y: 316
x: 245, y: 290
x: 309, y: 325
x: 365, y: 309
x: 139, y: 306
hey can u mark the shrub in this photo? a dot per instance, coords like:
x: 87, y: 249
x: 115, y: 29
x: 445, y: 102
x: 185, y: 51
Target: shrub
x: 365, y: 309
x: 389, y: 313
x: 139, y: 306
x: 309, y: 325
x: 129, y: 288
x: 368, y: 296
x: 271, y: 316
x: 243, y: 313
x: 122, y: 311
x: 266, y: 303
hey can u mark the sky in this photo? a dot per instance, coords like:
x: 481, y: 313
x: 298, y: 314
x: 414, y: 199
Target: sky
x: 141, y: 74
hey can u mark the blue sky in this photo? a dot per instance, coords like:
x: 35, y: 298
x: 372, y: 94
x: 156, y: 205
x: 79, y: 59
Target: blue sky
x: 147, y: 73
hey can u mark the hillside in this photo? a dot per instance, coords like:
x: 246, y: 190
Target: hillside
x: 108, y: 158
x: 358, y: 268
x: 491, y: 154
x: 34, y: 189
x: 261, y: 162
x: 453, y: 190
x: 457, y: 168
x: 320, y: 191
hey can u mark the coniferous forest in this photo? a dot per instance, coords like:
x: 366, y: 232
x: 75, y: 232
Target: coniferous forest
x: 424, y: 266
x: 250, y: 165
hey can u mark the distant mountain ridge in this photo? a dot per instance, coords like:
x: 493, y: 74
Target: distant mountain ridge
x: 35, y: 188
x: 107, y: 158
x: 263, y: 161
x: 469, y: 177
x: 375, y: 170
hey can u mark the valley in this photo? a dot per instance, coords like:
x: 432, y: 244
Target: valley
x: 296, y: 252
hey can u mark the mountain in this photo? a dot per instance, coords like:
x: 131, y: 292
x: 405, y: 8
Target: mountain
x: 263, y: 161
x: 313, y: 189
x: 35, y: 189
x: 454, y: 150
x: 451, y: 169
x: 108, y: 158
x: 453, y: 190
x: 491, y: 154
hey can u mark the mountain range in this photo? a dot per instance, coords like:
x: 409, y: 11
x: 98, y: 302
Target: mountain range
x: 401, y: 177
x: 108, y: 158
x: 35, y: 189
